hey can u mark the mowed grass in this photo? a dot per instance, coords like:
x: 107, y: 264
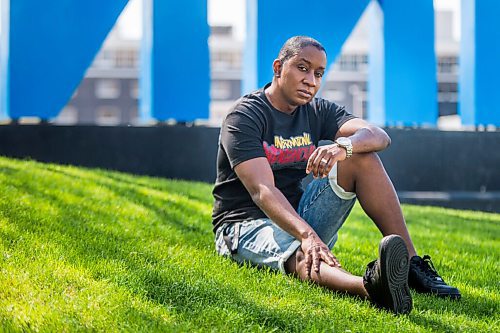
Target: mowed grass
x: 96, y: 250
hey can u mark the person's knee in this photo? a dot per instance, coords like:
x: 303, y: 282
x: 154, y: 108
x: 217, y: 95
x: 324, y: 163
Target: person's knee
x: 366, y: 159
x: 361, y: 162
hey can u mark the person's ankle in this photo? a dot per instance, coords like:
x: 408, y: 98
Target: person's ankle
x: 365, y: 294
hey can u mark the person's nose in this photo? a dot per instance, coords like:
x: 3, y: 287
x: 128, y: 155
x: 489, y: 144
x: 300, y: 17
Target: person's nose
x: 310, y: 79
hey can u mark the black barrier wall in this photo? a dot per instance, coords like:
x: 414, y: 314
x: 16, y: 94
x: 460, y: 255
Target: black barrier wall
x: 165, y: 151
x: 431, y: 160
x: 454, y: 169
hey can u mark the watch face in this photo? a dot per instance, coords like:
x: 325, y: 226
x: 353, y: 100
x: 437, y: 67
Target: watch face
x: 344, y: 141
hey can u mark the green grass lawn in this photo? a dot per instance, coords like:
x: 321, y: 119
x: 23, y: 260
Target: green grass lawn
x: 96, y: 250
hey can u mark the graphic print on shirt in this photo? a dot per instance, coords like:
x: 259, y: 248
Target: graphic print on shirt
x: 290, y: 152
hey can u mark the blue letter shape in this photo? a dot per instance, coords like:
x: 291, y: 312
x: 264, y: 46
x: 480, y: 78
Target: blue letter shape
x: 175, y: 77
x: 410, y: 82
x: 50, y: 47
x: 479, y: 62
x: 271, y: 23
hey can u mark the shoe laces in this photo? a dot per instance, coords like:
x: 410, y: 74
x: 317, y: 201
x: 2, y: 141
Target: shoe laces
x: 427, y: 267
x: 370, y: 272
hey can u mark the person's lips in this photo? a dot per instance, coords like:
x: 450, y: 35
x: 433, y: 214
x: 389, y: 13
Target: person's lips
x: 304, y: 93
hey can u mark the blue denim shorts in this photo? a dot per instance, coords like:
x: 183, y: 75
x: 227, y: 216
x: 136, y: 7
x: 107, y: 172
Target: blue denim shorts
x: 261, y: 242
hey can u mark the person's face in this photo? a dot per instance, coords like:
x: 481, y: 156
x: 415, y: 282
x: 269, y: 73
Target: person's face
x: 299, y: 78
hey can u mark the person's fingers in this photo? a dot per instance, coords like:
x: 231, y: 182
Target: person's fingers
x: 310, y: 161
x: 328, y: 161
x: 329, y: 166
x: 308, y: 262
x: 317, y: 162
x: 329, y: 258
x: 320, y: 162
x: 316, y: 259
x: 337, y: 262
x: 313, y: 166
x: 315, y: 254
x: 323, y: 165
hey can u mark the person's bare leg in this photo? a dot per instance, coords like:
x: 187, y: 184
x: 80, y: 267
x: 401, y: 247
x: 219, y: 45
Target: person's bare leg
x: 365, y: 175
x: 332, y: 278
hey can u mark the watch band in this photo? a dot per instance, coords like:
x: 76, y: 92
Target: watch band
x: 346, y: 144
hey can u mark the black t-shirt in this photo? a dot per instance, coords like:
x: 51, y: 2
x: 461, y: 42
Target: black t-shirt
x: 254, y: 128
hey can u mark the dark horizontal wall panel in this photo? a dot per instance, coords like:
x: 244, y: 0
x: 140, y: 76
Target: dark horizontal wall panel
x: 417, y: 160
x: 485, y: 201
x: 431, y: 160
x: 166, y: 151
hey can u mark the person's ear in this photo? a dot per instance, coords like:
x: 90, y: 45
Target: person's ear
x: 277, y: 65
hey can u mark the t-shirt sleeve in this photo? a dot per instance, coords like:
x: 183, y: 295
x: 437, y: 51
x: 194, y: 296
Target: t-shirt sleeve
x: 241, y: 137
x: 332, y: 116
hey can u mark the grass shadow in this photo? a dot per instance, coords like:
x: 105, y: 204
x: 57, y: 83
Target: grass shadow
x: 167, y: 211
x: 177, y: 294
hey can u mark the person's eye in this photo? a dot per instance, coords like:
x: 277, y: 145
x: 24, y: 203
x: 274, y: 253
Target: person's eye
x: 302, y: 68
x: 319, y: 74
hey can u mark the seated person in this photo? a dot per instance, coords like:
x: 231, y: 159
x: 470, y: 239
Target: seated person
x: 268, y: 144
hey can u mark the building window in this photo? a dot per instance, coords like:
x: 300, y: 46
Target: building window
x: 107, y: 89
x: 108, y: 115
x: 126, y: 58
x: 447, y: 65
x: 134, y: 89
x: 220, y: 90
x: 450, y: 97
x: 447, y: 87
x: 225, y: 60
x: 352, y: 63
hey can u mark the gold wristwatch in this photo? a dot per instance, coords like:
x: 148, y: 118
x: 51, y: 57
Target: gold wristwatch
x: 346, y: 144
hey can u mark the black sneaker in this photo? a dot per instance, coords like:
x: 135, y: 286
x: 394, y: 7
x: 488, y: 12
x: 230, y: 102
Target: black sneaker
x: 424, y: 278
x: 386, y: 279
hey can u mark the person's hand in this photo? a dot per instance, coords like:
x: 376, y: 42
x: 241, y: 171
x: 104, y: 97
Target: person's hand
x: 324, y: 158
x: 316, y: 251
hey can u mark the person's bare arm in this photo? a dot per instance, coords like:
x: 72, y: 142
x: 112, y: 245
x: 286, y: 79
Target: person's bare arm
x: 257, y: 177
x: 365, y: 138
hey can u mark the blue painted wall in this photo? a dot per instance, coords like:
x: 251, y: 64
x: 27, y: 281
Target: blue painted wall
x: 46, y: 49
x: 410, y: 84
x: 328, y: 21
x: 51, y: 46
x: 480, y: 62
x: 487, y: 61
x: 175, y: 66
